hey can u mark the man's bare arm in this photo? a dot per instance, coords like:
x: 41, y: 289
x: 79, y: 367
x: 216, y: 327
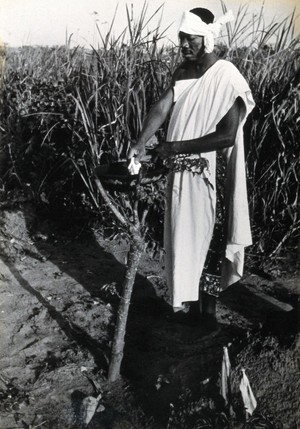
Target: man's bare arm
x: 223, y: 137
x: 155, y: 118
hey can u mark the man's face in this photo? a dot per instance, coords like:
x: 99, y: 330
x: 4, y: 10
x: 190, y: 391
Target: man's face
x: 192, y: 47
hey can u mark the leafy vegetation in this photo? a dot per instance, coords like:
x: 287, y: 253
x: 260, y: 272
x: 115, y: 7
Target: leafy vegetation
x: 66, y: 110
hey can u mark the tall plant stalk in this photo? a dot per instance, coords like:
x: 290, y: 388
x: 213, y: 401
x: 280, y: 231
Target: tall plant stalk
x: 136, y: 249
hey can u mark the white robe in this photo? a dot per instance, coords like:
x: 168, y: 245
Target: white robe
x: 190, y: 200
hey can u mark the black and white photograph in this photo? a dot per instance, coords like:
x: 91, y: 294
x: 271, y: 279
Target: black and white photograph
x: 149, y: 214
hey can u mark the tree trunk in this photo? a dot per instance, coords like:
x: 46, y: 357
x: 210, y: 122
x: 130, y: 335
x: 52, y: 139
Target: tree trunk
x: 134, y: 256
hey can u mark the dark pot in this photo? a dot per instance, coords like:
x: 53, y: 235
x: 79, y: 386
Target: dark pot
x: 115, y: 176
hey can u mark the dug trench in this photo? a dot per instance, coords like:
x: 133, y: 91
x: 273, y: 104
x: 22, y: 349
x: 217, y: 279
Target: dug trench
x: 59, y: 297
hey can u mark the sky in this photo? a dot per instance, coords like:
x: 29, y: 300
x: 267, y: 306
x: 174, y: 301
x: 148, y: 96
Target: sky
x: 47, y: 22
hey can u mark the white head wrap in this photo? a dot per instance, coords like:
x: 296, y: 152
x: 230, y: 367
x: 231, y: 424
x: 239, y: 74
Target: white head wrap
x: 192, y: 24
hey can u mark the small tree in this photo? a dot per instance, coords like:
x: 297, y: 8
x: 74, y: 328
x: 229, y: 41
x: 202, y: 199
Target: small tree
x: 135, y: 227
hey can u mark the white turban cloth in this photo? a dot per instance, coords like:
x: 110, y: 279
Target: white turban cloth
x: 192, y: 24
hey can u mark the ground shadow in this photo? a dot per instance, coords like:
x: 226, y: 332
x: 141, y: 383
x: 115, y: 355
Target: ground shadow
x: 73, y: 331
x: 77, y: 253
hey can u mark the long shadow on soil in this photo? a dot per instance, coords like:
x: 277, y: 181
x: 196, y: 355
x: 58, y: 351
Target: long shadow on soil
x: 77, y: 253
x: 83, y: 259
x: 73, y: 332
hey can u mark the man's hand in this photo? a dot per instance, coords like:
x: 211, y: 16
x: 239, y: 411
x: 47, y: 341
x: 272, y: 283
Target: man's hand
x: 136, y: 151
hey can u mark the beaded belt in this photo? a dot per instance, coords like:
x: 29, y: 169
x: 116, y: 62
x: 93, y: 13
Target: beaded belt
x: 183, y: 162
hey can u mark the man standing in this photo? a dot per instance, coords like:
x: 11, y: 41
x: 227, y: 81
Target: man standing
x: 210, y: 101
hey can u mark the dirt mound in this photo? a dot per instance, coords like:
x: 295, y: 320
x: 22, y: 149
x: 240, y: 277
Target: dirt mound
x: 274, y: 372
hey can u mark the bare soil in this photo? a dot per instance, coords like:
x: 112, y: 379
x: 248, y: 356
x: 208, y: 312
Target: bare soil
x: 59, y: 294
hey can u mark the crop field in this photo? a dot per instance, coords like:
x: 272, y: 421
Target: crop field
x: 66, y: 110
